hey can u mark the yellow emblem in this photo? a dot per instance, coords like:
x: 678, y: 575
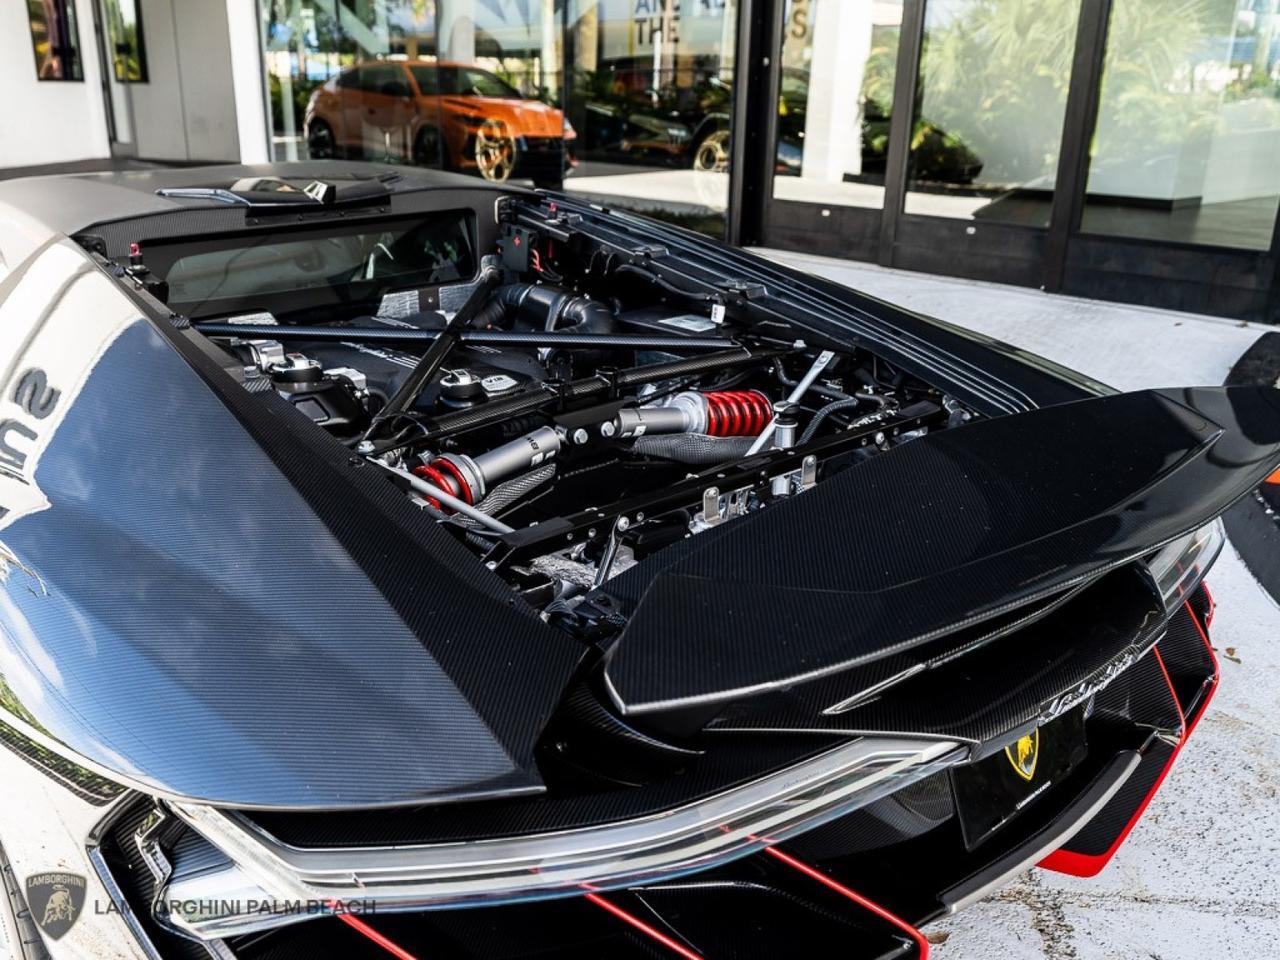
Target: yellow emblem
x: 1023, y: 754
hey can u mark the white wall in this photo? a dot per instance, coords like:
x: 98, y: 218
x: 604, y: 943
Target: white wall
x: 187, y: 108
x: 156, y: 106
x: 205, y: 99
x: 48, y: 121
x: 243, y: 33
x: 208, y: 91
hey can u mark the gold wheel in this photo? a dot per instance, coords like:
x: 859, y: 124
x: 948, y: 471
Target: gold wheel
x: 495, y: 151
x: 713, y: 152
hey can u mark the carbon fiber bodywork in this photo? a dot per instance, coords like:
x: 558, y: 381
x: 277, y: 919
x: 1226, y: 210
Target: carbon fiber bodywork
x: 178, y: 635
x: 905, y: 853
x: 213, y: 602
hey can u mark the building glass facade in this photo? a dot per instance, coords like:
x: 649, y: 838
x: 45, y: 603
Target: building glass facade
x: 628, y: 100
x: 990, y: 106
x: 1114, y: 148
x: 1187, y: 143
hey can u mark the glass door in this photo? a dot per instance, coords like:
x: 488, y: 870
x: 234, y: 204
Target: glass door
x: 986, y: 132
x: 1181, y: 185
x: 835, y: 92
x: 1186, y: 148
x: 649, y: 100
x: 124, y: 61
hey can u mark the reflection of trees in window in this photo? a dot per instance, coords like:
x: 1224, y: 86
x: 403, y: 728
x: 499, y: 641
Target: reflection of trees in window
x: 1151, y: 97
x: 994, y: 77
x: 55, y: 39
x: 1172, y: 66
x: 877, y: 89
x: 124, y: 33
x: 304, y: 48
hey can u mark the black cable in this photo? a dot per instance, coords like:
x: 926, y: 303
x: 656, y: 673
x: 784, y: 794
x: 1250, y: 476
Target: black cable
x: 667, y: 285
x: 835, y: 407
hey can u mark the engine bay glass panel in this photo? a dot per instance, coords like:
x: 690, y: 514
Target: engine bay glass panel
x: 360, y: 261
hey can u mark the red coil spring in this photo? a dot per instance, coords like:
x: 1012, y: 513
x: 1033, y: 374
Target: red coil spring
x: 737, y: 413
x: 448, y: 478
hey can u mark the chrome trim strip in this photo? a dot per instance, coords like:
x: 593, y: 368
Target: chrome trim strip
x: 685, y: 839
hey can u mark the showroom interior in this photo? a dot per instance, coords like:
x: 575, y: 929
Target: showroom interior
x: 1115, y: 149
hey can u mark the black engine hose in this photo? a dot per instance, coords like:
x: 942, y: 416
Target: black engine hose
x: 821, y: 389
x: 543, y: 307
x: 835, y: 407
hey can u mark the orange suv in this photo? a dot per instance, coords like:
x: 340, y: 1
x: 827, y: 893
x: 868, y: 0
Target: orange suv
x: 439, y: 114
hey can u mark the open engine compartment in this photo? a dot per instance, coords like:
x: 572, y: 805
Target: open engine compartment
x: 571, y: 411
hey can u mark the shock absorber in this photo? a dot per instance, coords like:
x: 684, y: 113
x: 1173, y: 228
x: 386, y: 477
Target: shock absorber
x: 470, y: 478
x: 737, y: 413
x: 719, y: 413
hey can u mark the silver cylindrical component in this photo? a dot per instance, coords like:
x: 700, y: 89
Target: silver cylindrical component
x: 686, y: 412
x: 693, y: 406
x: 784, y: 424
x: 638, y: 421
x: 784, y: 438
x: 519, y: 455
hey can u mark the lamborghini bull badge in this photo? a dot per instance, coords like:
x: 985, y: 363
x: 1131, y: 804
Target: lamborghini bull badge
x: 55, y: 900
x: 1023, y: 754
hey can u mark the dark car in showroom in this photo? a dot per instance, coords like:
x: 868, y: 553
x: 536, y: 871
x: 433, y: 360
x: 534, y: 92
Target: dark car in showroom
x: 398, y: 564
x: 690, y: 127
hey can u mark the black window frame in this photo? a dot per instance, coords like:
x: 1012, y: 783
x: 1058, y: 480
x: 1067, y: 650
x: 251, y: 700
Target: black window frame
x: 71, y: 62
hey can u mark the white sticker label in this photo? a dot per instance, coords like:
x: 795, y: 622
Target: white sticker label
x: 256, y: 319
x: 401, y: 303
x: 690, y: 322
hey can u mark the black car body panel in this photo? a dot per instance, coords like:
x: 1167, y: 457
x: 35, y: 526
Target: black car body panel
x: 182, y: 600
x: 938, y: 534
x: 303, y: 641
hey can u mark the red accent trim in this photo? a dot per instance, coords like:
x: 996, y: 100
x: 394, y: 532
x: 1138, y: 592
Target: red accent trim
x: 646, y: 929
x: 460, y: 480
x: 812, y: 872
x: 436, y: 477
x: 737, y: 413
x: 455, y: 483
x: 393, y: 948
x: 1083, y: 865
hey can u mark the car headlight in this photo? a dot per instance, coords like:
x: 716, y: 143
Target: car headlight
x: 260, y: 870
x: 1179, y: 566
